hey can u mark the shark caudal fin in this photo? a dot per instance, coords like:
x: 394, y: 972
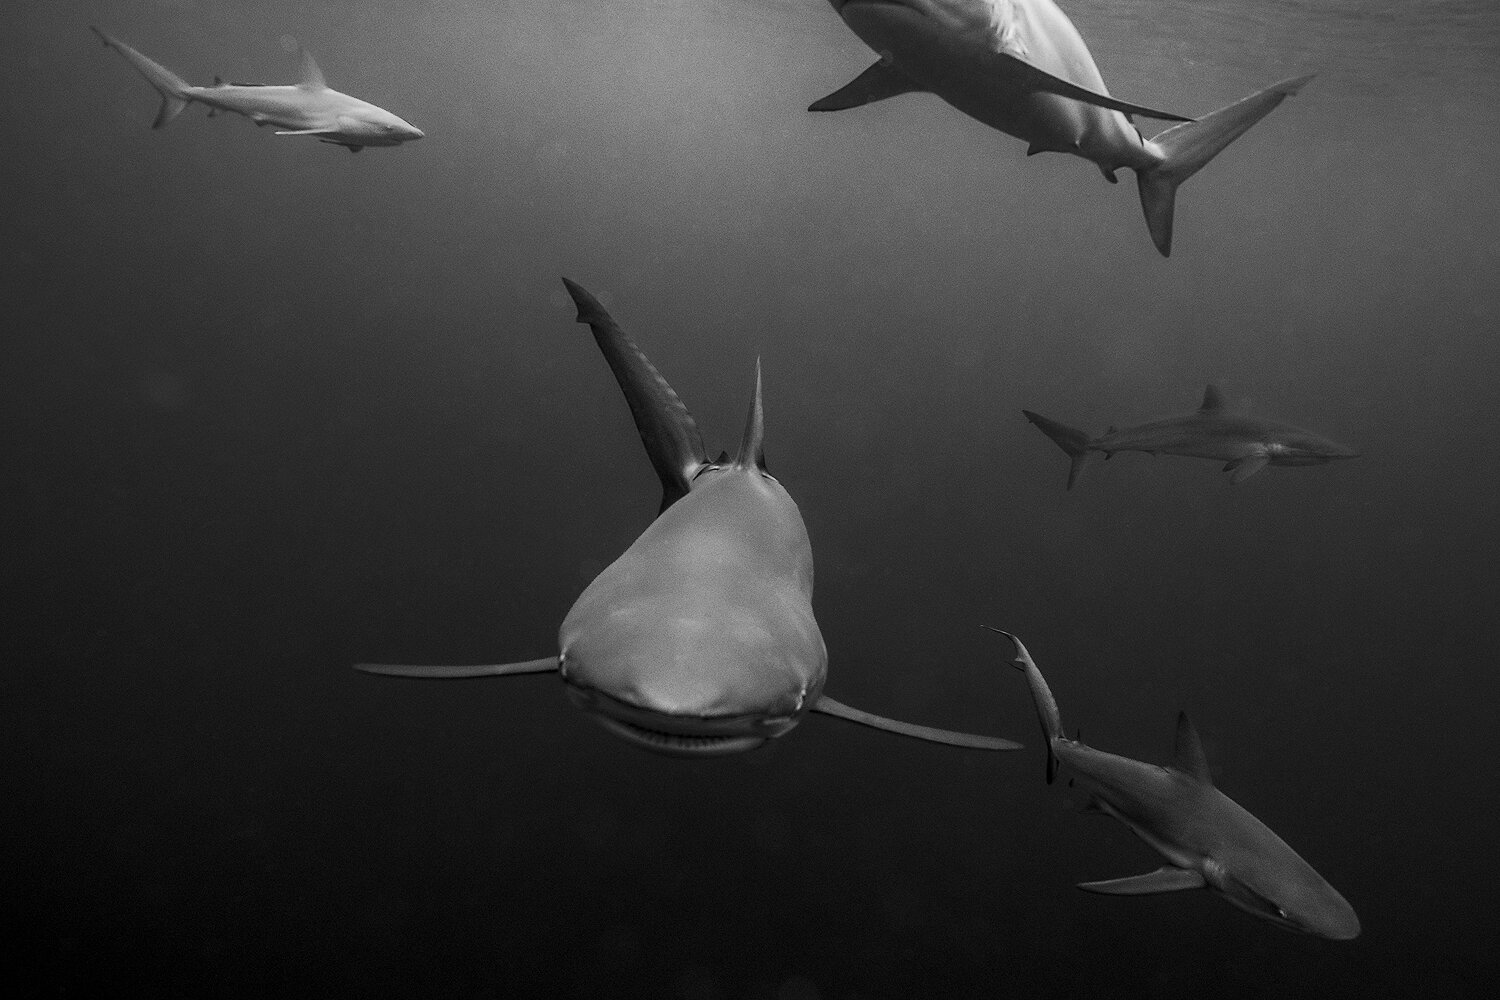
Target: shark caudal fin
x: 1187, y: 147
x: 752, y: 444
x: 1041, y: 696
x: 1071, y: 440
x: 666, y: 427
x: 173, y: 88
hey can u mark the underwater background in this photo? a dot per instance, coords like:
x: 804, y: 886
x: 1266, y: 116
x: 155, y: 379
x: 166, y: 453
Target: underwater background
x: 270, y: 409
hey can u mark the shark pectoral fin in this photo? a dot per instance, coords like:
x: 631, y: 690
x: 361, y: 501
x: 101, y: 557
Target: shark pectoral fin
x: 448, y: 673
x: 828, y: 706
x: 1032, y: 78
x: 880, y: 81
x: 1164, y: 879
x: 1242, y: 469
x: 308, y: 131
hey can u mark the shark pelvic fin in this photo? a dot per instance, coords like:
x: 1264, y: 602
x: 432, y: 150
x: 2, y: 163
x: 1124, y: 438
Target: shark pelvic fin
x: 312, y: 77
x: 666, y: 427
x: 1189, y: 757
x: 1164, y: 879
x: 1242, y: 469
x: 828, y: 706
x: 546, y: 665
x: 877, y: 83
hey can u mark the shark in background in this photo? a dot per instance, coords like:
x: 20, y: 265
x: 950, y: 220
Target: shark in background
x: 1214, y: 431
x: 1209, y: 841
x: 1020, y: 66
x: 308, y: 107
x: 699, y: 640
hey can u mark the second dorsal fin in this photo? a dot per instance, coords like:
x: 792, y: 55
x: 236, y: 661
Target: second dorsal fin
x: 752, y: 444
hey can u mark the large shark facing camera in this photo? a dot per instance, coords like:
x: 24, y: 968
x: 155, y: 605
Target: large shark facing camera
x: 1020, y: 66
x: 700, y: 639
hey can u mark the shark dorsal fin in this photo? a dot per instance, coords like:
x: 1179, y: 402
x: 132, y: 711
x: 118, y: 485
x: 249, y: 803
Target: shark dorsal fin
x: 1189, y: 756
x: 312, y: 77
x: 666, y: 427
x: 1213, y: 400
x: 752, y: 451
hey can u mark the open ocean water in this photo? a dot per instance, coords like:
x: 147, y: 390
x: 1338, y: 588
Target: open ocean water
x: 270, y: 409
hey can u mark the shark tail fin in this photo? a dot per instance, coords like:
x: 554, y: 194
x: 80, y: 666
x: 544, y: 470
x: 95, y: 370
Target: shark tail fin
x: 1041, y: 696
x: 1186, y: 148
x: 666, y: 427
x: 173, y: 88
x: 1071, y: 440
x: 752, y: 444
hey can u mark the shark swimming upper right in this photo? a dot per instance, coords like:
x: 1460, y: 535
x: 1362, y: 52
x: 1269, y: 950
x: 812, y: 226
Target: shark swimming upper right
x: 1020, y: 66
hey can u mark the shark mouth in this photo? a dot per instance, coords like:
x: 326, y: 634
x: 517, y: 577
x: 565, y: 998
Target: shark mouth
x: 679, y: 744
x: 677, y: 735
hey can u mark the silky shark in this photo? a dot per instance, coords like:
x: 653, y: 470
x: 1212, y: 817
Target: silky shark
x: 308, y: 107
x: 1208, y: 840
x: 1020, y: 66
x: 1216, y: 431
x: 700, y: 639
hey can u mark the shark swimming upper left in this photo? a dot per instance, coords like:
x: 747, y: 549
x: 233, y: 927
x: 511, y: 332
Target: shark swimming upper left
x: 308, y: 107
x: 699, y: 640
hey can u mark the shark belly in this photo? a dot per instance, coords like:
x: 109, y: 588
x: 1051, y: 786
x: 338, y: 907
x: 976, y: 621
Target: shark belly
x: 704, y: 626
x: 284, y: 107
x: 963, y: 68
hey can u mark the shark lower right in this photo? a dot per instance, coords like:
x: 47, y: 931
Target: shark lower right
x: 1208, y: 840
x: 700, y: 639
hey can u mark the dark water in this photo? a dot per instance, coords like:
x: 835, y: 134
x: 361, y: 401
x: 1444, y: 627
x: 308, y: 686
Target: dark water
x: 270, y: 409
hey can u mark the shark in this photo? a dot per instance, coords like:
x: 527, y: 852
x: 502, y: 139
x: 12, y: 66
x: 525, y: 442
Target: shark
x: 1020, y: 66
x: 1208, y: 840
x: 700, y: 639
x: 308, y: 107
x: 1214, y: 431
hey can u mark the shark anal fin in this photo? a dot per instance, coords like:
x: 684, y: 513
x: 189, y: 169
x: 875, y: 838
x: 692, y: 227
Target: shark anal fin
x: 666, y: 427
x: 1190, y: 758
x: 877, y: 83
x: 1242, y: 469
x: 447, y: 673
x: 1164, y: 879
x: 828, y: 706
